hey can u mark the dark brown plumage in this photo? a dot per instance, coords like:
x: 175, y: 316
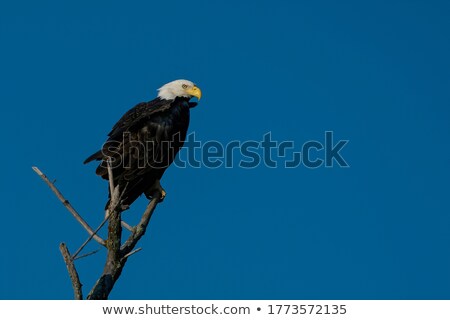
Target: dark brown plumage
x: 142, y: 145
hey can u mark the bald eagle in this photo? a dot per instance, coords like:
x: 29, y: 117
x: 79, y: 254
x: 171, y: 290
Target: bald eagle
x: 145, y: 141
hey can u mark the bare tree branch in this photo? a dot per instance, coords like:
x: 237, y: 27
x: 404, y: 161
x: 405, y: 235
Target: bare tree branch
x: 106, y: 282
x: 69, y: 207
x: 118, y: 253
x: 127, y: 226
x: 117, y: 256
x: 132, y: 252
x: 110, y: 177
x: 141, y: 227
x: 76, y: 284
x: 86, y: 255
x: 90, y: 238
x: 113, y: 266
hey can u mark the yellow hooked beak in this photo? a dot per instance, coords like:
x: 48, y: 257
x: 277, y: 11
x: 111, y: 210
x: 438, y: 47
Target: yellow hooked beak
x: 195, y: 92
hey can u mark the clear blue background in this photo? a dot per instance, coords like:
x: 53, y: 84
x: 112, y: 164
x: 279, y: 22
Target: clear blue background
x: 375, y: 73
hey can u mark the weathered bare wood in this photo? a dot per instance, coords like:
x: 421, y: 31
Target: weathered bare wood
x: 127, y: 226
x: 89, y: 239
x: 113, y: 266
x: 118, y: 256
x: 141, y: 227
x: 118, y: 253
x: 73, y: 274
x: 86, y: 255
x: 110, y: 177
x: 131, y: 253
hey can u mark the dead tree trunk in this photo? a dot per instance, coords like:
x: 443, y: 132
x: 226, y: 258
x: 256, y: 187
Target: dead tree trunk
x: 117, y: 252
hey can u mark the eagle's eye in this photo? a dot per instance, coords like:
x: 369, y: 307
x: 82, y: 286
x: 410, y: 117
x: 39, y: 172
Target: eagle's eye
x: 184, y: 86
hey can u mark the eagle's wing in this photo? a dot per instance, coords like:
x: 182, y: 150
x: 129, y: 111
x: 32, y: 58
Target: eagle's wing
x: 135, y: 143
x: 128, y: 122
x: 136, y: 115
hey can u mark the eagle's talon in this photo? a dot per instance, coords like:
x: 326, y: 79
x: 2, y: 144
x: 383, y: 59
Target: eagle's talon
x: 156, y: 189
x: 162, y: 193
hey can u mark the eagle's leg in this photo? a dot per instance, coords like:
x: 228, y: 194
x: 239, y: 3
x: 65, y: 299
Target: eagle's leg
x: 156, y: 188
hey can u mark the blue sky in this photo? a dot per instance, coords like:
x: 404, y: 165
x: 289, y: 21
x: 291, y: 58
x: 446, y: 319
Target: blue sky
x: 375, y: 73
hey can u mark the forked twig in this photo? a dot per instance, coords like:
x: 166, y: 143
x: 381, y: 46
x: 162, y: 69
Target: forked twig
x: 89, y: 239
x: 118, y: 253
x: 117, y: 256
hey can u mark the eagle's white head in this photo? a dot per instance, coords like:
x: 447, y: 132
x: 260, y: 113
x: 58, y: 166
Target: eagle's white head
x: 179, y: 88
